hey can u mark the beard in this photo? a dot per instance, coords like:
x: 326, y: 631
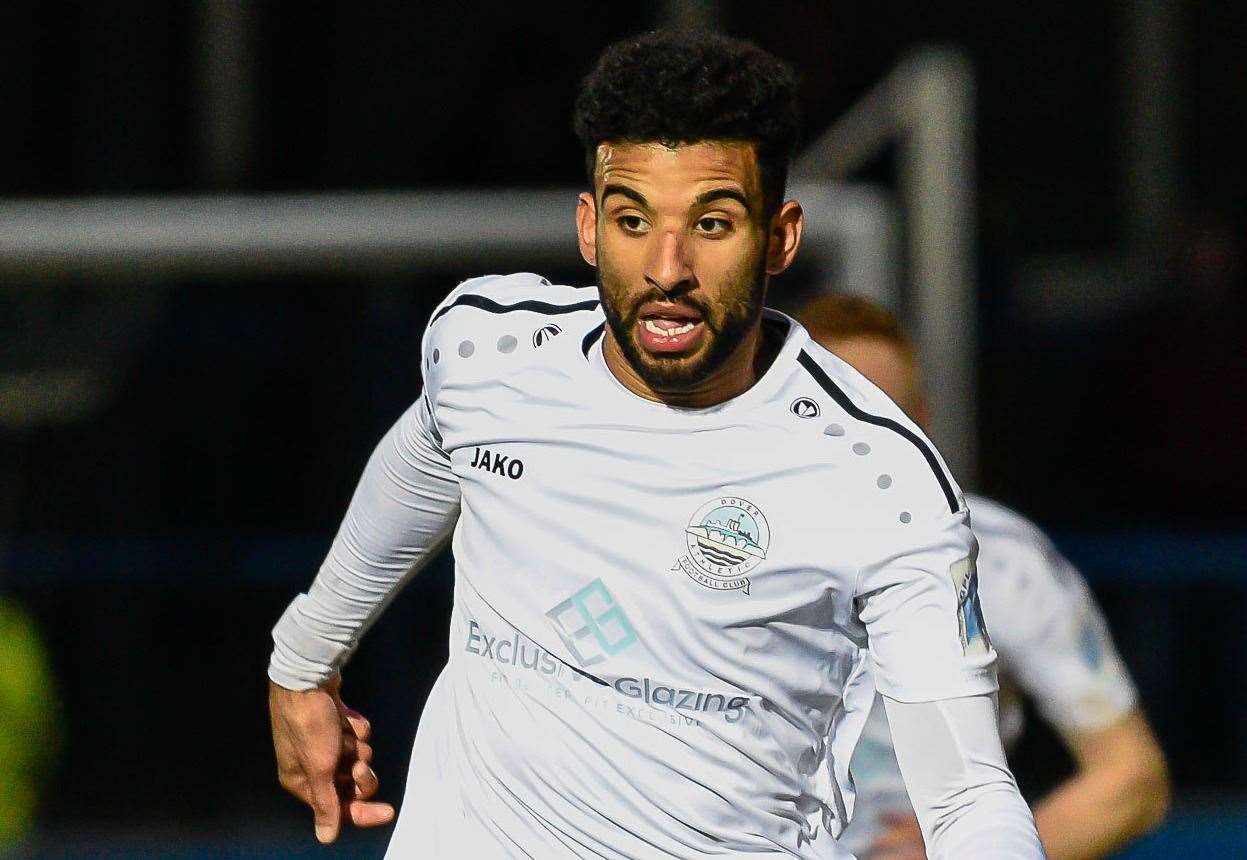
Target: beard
x: 727, y: 322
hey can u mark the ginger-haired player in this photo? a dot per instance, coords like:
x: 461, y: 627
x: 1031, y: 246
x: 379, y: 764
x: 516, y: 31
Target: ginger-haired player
x: 1053, y: 643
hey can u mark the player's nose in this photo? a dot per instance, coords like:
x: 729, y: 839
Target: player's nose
x: 668, y: 267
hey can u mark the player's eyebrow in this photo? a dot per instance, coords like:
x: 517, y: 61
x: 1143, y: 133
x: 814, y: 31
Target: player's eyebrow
x: 634, y: 196
x: 723, y: 194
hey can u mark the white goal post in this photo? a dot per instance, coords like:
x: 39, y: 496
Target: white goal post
x: 848, y: 235
x: 852, y: 236
x: 925, y: 108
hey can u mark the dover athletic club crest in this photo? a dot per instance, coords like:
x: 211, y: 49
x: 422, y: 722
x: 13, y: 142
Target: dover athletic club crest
x: 726, y: 538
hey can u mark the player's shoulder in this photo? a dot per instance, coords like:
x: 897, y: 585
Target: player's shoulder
x: 521, y: 292
x: 1014, y: 545
x: 999, y: 525
x: 498, y: 317
x: 862, y: 426
x: 1001, y: 522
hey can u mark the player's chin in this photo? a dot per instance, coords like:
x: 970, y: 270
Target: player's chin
x: 667, y: 371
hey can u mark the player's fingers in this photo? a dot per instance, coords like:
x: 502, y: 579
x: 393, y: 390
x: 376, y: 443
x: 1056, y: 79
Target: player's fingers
x: 894, y: 852
x: 364, y: 813
x: 350, y: 746
x: 358, y: 723
x: 899, y: 852
x: 895, y: 840
x: 365, y: 779
x: 326, y: 811
x: 902, y: 821
x: 353, y: 751
x: 885, y: 841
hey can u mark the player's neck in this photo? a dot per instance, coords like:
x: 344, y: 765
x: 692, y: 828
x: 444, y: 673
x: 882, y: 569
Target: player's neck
x: 742, y: 369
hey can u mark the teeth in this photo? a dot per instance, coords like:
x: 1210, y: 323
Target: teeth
x: 653, y: 327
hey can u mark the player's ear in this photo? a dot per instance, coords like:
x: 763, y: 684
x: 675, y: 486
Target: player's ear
x: 587, y: 227
x: 784, y: 237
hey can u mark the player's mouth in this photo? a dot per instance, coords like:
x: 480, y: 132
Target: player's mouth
x: 669, y: 330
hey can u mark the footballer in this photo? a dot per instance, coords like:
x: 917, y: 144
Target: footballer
x: 679, y: 528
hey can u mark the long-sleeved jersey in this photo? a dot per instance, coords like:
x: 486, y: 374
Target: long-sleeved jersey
x: 1054, y: 646
x: 657, y: 647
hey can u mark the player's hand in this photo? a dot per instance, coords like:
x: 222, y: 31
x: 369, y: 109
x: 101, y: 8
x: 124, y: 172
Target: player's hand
x: 900, y: 840
x: 323, y: 757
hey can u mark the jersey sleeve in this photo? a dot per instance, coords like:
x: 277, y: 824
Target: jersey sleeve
x: 404, y: 508
x: 1052, y: 637
x: 919, y: 604
x: 966, y: 800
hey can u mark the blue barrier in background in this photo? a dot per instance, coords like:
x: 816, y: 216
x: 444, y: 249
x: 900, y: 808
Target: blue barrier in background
x: 127, y: 560
x: 1157, y: 556
x: 1195, y: 837
x: 1153, y: 556
x: 1186, y: 836
x: 352, y: 846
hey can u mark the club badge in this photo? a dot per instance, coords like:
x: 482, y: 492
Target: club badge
x: 726, y: 538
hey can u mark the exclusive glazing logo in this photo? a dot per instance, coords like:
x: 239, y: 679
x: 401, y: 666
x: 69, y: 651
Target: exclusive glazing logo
x: 592, y: 625
x: 726, y: 538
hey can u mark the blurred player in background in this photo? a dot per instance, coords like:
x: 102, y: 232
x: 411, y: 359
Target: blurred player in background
x: 673, y: 534
x: 1051, y: 637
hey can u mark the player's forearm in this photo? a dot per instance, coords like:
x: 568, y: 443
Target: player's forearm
x: 1104, y: 807
x: 986, y: 821
x: 403, y: 509
x: 966, y: 800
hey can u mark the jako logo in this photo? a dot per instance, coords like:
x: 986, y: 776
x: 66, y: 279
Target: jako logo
x: 544, y: 333
x: 804, y: 407
x: 499, y: 464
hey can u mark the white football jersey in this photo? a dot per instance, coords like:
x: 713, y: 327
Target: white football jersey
x: 1053, y: 642
x: 656, y: 647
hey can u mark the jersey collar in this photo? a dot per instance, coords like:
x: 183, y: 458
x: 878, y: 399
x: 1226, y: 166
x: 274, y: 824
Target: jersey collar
x: 760, y: 392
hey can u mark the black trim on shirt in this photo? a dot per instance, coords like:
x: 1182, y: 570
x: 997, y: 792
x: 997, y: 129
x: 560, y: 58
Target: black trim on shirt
x: 779, y: 328
x: 476, y: 301
x: 824, y: 381
x: 592, y: 337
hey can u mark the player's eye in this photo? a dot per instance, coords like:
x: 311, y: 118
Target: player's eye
x: 632, y: 223
x: 714, y: 226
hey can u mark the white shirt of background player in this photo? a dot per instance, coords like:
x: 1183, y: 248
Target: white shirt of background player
x: 1052, y: 640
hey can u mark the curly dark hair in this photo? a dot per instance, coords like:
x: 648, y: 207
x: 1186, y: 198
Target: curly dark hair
x: 678, y: 87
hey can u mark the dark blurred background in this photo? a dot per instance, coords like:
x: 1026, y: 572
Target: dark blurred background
x: 178, y: 444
